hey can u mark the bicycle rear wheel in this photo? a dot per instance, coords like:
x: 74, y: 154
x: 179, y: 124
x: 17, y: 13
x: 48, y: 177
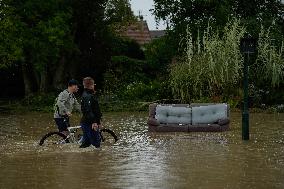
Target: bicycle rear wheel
x: 108, y: 136
x: 53, y: 138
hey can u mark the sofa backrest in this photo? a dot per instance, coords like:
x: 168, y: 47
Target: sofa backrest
x: 209, y: 113
x: 173, y: 113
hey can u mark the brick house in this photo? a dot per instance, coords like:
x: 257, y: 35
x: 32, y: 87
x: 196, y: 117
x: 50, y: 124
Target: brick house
x: 141, y: 33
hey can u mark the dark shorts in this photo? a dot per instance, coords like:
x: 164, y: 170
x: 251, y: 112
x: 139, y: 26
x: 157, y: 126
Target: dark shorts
x: 62, y: 124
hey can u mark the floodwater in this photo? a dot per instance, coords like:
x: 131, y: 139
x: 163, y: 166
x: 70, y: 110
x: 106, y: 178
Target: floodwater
x: 141, y: 159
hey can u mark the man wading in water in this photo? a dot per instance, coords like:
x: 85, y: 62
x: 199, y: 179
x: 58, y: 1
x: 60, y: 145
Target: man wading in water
x: 91, y: 118
x: 64, y: 104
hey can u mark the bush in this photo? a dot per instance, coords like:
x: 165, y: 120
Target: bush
x: 123, y: 71
x: 159, y: 54
x: 39, y: 100
x: 141, y: 91
x: 126, y: 47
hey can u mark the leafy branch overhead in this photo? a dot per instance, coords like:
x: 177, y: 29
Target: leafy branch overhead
x: 118, y: 14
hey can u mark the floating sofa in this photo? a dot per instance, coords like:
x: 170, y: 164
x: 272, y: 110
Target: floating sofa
x: 188, y: 117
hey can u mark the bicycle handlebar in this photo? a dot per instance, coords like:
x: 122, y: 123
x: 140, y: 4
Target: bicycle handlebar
x: 73, y: 128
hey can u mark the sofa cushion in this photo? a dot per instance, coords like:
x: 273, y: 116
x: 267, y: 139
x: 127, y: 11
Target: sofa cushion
x: 171, y: 114
x: 209, y: 114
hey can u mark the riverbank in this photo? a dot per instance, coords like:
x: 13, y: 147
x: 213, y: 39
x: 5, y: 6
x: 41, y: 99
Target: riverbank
x: 18, y: 105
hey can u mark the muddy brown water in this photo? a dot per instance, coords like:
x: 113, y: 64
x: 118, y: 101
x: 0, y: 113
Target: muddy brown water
x: 141, y: 159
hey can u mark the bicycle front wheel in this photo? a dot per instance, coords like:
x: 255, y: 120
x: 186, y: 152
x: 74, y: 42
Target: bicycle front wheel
x: 53, y: 138
x: 108, y: 136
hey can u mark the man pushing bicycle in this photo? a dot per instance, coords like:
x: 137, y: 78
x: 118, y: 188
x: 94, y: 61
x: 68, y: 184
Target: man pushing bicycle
x: 64, y: 104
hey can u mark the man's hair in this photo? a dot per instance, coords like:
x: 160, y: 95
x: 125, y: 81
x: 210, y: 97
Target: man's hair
x: 73, y: 82
x: 88, y: 81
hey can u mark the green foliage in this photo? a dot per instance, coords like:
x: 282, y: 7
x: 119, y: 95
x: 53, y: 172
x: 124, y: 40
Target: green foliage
x: 92, y: 36
x: 121, y: 46
x: 34, y: 35
x: 211, y: 66
x: 123, y: 106
x: 118, y: 14
x: 141, y: 91
x: 266, y: 73
x: 39, y: 100
x: 53, y: 37
x: 42, y: 36
x: 191, y: 12
x: 11, y: 44
x: 122, y: 71
x: 196, y: 14
x: 159, y: 53
x: 128, y: 69
x: 270, y: 60
x: 233, y: 103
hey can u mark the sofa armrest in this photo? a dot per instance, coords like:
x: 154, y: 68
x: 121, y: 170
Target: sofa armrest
x: 222, y: 122
x: 153, y: 122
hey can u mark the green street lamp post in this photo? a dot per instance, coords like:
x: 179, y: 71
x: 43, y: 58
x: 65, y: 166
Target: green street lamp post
x: 248, y: 46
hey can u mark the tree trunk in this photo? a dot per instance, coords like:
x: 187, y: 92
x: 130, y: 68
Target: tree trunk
x: 43, y: 80
x: 28, y: 81
x: 59, y: 79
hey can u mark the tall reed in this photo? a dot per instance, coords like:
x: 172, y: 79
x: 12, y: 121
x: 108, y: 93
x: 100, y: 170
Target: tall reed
x: 211, y: 65
x: 270, y: 60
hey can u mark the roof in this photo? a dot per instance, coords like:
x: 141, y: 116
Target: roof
x: 138, y: 32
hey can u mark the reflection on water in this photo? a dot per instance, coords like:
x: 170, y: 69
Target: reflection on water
x: 141, y: 159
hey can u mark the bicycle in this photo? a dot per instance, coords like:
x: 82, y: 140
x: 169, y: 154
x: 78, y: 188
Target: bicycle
x: 55, y: 137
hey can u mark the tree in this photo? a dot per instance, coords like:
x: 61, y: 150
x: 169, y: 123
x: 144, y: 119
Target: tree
x: 119, y: 15
x: 197, y: 14
x: 54, y: 40
x: 10, y: 46
x: 92, y: 37
x: 38, y: 33
x: 159, y: 54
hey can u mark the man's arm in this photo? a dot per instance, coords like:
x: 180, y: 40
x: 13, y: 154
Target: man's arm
x: 97, y: 113
x: 77, y: 106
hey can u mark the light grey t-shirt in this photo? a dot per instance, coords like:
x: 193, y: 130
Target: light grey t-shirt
x: 65, y: 102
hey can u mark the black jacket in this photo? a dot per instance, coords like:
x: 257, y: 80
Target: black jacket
x: 90, y: 108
